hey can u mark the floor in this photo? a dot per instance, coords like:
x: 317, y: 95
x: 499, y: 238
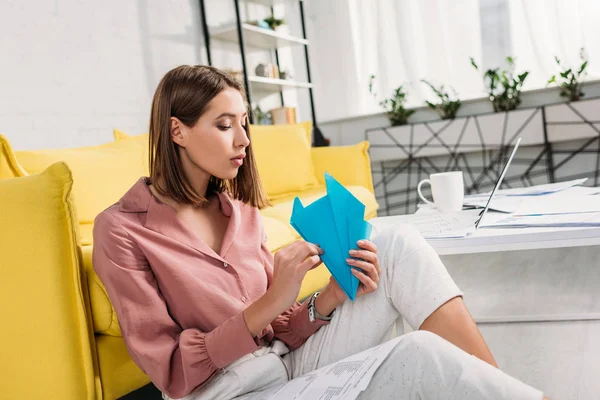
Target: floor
x: 148, y: 392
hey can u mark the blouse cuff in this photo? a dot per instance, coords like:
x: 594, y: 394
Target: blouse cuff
x: 230, y: 341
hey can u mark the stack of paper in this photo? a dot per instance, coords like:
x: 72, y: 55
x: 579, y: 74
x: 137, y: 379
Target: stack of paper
x: 542, y: 199
x: 547, y: 221
x: 336, y: 223
x: 563, y: 204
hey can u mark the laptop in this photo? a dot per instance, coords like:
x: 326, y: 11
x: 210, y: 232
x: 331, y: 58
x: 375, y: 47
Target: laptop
x: 498, y: 184
x: 442, y: 226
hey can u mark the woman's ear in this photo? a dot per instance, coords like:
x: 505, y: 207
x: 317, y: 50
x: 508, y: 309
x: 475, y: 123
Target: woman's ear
x: 176, y: 131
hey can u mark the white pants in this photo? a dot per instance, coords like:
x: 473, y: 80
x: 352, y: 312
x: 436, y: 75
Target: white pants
x: 422, y: 365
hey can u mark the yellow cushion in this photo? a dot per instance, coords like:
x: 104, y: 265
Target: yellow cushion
x: 103, y: 314
x: 9, y: 168
x: 283, y: 158
x: 279, y: 233
x: 86, y: 232
x: 120, y: 135
x: 350, y: 165
x: 282, y: 208
x: 307, y: 126
x: 45, y: 340
x: 102, y: 173
x: 118, y: 372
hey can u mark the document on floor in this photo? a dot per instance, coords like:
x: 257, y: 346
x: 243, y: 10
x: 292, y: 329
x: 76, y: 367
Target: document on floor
x: 343, y: 380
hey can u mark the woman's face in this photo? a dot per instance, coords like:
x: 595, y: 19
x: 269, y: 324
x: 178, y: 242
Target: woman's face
x: 217, y: 143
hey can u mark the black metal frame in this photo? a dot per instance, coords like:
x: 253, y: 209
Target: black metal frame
x: 493, y: 158
x: 318, y: 138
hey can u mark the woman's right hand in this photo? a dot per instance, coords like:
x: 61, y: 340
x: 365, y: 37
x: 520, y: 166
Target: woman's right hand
x: 291, y: 265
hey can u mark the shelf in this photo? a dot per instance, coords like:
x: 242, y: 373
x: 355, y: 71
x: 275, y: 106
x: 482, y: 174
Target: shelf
x: 267, y: 85
x: 256, y: 37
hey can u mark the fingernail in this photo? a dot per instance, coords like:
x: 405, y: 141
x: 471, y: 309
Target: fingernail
x: 353, y: 252
x: 349, y: 260
x: 361, y: 242
x: 354, y: 271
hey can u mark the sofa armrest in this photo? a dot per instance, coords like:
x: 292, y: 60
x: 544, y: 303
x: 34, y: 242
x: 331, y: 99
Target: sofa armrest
x: 350, y: 165
x: 46, y: 342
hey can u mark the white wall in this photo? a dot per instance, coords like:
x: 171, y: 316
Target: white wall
x: 71, y: 71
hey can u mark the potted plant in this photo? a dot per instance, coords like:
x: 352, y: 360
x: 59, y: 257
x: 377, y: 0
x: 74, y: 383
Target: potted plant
x: 394, y: 106
x: 261, y: 117
x: 570, y: 82
x: 504, y: 87
x: 448, y: 106
x: 273, y: 22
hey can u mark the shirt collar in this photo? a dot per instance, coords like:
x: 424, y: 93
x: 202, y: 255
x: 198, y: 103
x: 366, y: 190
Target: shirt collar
x: 162, y: 219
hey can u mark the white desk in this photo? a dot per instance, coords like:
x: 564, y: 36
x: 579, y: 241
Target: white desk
x: 570, y: 254
x: 535, y: 295
x: 494, y: 240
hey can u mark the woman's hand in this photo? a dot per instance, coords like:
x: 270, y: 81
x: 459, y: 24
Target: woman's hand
x: 291, y: 265
x: 365, y: 258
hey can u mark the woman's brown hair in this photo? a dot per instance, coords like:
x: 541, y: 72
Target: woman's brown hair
x: 184, y: 93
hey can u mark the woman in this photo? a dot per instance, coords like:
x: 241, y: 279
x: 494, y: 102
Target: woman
x: 206, y: 310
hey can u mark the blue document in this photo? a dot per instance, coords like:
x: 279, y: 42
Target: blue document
x: 335, y: 222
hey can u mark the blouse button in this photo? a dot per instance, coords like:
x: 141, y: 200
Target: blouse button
x: 225, y: 265
x: 243, y: 299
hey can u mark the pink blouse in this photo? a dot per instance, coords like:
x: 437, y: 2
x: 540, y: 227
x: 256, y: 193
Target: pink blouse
x: 178, y: 302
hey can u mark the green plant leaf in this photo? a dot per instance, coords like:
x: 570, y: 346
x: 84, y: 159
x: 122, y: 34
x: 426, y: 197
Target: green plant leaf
x: 552, y: 79
x: 523, y: 76
x: 473, y: 63
x: 582, y: 68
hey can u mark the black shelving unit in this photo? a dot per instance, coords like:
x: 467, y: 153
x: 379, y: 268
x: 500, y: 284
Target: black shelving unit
x: 239, y: 33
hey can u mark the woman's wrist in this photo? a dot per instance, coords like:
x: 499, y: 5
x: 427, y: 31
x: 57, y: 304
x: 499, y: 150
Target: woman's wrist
x: 260, y: 313
x: 327, y: 301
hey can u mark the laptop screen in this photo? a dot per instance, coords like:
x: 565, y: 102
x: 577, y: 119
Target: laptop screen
x: 498, y: 184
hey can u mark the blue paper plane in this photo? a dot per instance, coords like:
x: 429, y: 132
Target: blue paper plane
x: 335, y: 222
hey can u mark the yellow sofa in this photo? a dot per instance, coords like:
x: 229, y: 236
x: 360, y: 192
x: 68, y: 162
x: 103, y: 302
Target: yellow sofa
x: 79, y: 350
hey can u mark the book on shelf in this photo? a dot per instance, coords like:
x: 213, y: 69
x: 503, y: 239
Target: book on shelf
x: 284, y: 115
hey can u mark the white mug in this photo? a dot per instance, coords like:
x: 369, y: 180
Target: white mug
x: 448, y: 191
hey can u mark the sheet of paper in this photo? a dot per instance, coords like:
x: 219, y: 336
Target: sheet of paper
x: 558, y: 204
x: 433, y: 225
x: 507, y: 204
x: 540, y: 221
x: 578, y: 191
x: 343, y: 380
x: 533, y: 190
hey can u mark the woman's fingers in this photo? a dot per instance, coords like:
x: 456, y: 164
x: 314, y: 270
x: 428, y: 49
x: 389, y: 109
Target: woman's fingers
x: 310, y: 263
x: 369, y: 268
x: 367, y: 245
x: 300, y: 250
x: 368, y: 283
x: 365, y: 255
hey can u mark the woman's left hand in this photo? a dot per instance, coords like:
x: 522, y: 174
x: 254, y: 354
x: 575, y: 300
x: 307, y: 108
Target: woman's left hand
x: 365, y: 258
